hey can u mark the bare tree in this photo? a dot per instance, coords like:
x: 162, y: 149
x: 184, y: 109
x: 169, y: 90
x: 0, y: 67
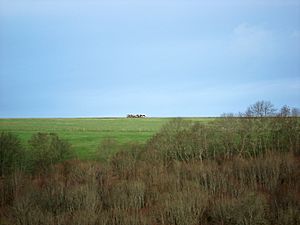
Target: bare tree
x: 285, y: 111
x: 260, y: 109
x: 227, y: 115
x: 295, y: 112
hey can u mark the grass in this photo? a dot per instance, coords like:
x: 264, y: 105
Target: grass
x: 85, y: 134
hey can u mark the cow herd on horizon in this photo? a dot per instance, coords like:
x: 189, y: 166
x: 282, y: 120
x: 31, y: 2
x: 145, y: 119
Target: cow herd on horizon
x: 136, y: 116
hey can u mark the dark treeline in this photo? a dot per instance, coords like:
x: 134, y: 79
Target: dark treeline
x: 235, y: 170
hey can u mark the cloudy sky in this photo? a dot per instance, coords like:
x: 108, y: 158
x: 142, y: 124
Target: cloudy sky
x: 63, y: 58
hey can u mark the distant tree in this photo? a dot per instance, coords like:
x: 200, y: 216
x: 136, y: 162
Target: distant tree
x: 295, y: 112
x: 260, y: 109
x: 285, y: 111
x: 227, y: 115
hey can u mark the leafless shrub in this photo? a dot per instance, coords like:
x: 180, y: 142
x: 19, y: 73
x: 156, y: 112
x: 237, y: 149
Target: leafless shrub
x: 183, y: 207
x: 245, y: 210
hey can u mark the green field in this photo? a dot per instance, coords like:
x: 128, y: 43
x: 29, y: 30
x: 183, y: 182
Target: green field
x: 85, y: 134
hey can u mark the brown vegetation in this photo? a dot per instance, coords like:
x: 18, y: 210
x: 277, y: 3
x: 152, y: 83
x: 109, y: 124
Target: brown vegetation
x: 233, y: 171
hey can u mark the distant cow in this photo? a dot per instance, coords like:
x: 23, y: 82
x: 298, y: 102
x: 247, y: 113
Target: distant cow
x: 136, y: 116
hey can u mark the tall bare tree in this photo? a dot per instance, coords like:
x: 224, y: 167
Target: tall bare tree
x: 285, y: 111
x: 295, y: 112
x: 260, y: 109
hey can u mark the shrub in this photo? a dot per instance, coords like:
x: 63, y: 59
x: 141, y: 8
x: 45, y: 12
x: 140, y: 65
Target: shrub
x: 107, y: 148
x: 11, y: 187
x: 123, y: 162
x: 183, y: 207
x: 127, y: 195
x: 245, y: 210
x: 47, y: 149
x: 11, y: 153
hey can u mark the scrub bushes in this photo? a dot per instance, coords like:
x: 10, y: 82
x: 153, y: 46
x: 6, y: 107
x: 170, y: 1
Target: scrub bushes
x: 46, y: 150
x: 233, y: 171
x: 11, y: 153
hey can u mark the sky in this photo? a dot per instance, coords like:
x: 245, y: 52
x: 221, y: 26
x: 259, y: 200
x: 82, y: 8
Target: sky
x: 85, y: 58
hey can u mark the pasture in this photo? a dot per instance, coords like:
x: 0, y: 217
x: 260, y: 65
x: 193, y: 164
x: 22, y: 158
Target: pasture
x: 85, y: 134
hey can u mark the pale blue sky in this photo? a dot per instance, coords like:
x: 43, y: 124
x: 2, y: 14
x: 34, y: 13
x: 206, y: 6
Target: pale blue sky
x: 63, y: 58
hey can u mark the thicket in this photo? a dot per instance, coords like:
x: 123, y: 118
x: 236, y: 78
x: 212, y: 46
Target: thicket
x: 11, y: 153
x: 224, y: 138
x: 45, y: 150
x: 233, y: 171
